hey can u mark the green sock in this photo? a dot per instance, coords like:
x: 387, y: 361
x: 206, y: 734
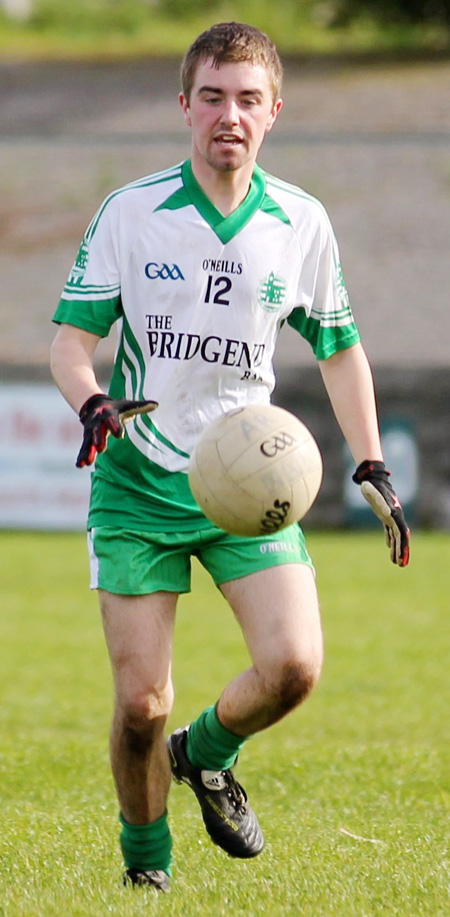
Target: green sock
x: 147, y: 846
x: 210, y: 745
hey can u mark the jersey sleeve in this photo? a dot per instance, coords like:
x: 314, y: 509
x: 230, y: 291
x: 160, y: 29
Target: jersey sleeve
x: 323, y: 315
x: 91, y: 298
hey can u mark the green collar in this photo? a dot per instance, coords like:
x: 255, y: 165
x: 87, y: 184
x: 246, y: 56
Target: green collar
x: 225, y: 227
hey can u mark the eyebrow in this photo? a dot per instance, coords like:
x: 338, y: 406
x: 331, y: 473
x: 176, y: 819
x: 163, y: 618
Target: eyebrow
x: 220, y: 92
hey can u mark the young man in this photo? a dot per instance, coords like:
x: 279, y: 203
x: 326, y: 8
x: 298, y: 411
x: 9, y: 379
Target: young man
x: 199, y: 265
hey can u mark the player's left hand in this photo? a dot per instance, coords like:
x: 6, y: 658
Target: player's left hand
x: 102, y: 415
x: 376, y: 488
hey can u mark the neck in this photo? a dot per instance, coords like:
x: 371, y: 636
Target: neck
x: 226, y: 190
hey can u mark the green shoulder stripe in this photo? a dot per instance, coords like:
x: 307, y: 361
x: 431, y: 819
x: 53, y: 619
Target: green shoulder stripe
x: 147, y: 182
x: 274, y: 210
x: 176, y: 201
x: 293, y: 190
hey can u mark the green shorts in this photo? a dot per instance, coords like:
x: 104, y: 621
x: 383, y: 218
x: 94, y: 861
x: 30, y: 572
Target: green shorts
x: 126, y: 562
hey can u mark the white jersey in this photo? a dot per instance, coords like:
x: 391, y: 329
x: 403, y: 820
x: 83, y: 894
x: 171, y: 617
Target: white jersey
x: 199, y: 299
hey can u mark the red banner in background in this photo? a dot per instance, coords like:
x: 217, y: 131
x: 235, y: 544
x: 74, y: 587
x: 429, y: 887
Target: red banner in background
x: 39, y: 440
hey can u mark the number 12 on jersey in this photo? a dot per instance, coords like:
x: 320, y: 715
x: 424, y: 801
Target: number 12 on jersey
x: 216, y: 290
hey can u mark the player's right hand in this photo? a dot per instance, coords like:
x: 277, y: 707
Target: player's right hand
x: 102, y: 415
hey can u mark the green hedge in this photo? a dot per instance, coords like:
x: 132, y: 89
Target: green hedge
x: 342, y: 12
x: 59, y: 28
x: 128, y: 15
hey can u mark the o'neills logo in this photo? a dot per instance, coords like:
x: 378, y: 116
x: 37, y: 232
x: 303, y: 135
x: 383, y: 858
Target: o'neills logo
x: 212, y: 349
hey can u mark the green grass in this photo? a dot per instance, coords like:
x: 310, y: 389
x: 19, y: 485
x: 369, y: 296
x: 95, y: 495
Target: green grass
x: 62, y: 29
x: 353, y: 790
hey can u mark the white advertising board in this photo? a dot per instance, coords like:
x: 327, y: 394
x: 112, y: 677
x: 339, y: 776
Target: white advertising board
x: 39, y: 441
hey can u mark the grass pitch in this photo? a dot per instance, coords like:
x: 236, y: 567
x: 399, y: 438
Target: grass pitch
x: 352, y: 790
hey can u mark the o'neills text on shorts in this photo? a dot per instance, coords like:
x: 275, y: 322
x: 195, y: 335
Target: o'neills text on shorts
x: 277, y: 547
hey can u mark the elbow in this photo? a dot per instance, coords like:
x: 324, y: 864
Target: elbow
x: 58, y: 357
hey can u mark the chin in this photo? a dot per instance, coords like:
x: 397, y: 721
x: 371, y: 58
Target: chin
x: 227, y: 165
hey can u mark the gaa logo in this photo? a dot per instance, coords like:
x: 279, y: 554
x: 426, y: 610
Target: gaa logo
x: 277, y: 443
x: 156, y: 271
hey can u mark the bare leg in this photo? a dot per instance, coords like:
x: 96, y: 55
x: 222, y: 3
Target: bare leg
x: 279, y: 615
x: 139, y: 631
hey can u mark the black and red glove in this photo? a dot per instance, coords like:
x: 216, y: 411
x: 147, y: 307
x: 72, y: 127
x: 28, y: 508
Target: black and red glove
x: 101, y: 415
x: 375, y: 487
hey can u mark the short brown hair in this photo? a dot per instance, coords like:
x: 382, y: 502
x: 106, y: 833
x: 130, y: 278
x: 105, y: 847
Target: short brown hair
x: 229, y: 42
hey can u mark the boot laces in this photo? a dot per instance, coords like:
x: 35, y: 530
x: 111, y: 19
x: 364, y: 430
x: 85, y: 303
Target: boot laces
x: 235, y: 792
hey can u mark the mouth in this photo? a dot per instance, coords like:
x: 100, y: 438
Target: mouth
x: 228, y: 140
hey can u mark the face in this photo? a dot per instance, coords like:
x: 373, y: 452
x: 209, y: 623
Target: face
x: 230, y: 111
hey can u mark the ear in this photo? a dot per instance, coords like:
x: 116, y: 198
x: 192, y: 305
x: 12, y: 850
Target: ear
x: 185, y: 106
x: 274, y: 114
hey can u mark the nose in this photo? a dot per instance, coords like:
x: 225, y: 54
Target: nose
x: 230, y: 112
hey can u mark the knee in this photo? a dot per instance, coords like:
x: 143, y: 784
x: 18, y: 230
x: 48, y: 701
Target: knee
x: 297, y: 681
x: 294, y: 682
x: 144, y: 712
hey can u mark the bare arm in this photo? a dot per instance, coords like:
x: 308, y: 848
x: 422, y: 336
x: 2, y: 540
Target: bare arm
x: 72, y: 364
x: 348, y: 380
